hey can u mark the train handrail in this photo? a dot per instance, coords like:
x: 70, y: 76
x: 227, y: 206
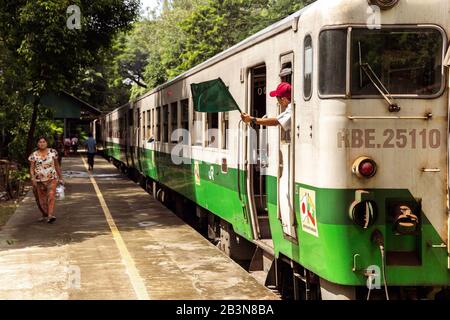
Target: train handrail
x: 426, y: 117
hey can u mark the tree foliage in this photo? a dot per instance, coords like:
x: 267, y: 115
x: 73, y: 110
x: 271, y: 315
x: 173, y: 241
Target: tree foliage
x: 51, y: 56
x: 187, y: 32
x: 111, y: 58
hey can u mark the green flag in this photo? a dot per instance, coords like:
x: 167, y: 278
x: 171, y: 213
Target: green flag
x: 213, y: 96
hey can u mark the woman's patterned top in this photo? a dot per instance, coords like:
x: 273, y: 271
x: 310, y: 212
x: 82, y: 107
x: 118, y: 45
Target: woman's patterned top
x: 44, y: 169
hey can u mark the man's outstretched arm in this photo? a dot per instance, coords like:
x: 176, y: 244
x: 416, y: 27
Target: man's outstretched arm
x: 268, y: 122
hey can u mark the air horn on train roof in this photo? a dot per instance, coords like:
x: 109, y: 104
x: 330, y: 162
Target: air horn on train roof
x: 383, y: 4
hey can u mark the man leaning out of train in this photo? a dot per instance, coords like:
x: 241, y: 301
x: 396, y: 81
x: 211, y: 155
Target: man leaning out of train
x: 283, y: 95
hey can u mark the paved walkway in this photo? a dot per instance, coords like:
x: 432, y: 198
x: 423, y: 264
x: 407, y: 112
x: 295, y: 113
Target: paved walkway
x: 111, y: 240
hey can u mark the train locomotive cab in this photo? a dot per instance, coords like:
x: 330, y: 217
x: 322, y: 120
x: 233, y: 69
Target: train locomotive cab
x: 381, y: 159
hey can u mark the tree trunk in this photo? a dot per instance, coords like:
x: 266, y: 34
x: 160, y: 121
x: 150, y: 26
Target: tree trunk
x: 31, y: 131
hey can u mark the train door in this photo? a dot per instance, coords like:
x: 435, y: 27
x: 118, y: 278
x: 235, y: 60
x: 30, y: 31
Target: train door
x: 285, y: 190
x: 258, y: 154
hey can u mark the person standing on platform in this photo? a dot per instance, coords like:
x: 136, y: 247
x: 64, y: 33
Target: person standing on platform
x: 74, y: 142
x: 91, y: 147
x: 67, y: 144
x: 45, y: 173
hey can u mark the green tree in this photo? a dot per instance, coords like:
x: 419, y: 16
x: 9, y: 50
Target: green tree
x: 183, y: 34
x: 50, y: 54
x: 217, y: 25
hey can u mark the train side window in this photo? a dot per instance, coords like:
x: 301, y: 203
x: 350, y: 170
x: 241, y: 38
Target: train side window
x: 158, y: 124
x: 212, y: 130
x: 152, y: 135
x: 286, y: 72
x: 286, y: 75
x: 307, y: 68
x: 198, y: 129
x: 184, y: 115
x: 225, y: 127
x: 143, y: 120
x: 174, y: 121
x: 165, y: 123
x: 149, y: 121
x: 138, y: 116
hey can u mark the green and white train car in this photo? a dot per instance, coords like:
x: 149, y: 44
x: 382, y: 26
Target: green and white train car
x: 357, y: 190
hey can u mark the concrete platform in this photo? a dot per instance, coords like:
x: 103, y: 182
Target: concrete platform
x: 111, y: 240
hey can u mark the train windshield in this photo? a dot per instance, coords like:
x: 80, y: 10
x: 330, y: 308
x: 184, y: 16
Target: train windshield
x: 405, y: 61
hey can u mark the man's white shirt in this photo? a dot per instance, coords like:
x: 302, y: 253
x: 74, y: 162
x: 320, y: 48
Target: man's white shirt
x: 285, y: 118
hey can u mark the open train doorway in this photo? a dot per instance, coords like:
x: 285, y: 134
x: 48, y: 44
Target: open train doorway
x: 258, y: 167
x: 286, y: 162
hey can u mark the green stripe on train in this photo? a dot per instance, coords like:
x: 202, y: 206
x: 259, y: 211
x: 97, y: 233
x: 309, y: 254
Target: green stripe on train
x: 331, y: 255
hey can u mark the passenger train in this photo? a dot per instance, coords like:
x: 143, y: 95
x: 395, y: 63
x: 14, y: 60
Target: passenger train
x: 352, y: 202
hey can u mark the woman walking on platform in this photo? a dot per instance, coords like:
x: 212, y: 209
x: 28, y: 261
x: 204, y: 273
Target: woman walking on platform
x: 45, y: 174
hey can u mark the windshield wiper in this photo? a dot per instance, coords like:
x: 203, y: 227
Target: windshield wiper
x: 378, y: 84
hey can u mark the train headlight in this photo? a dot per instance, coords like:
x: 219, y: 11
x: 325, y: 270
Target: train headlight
x: 383, y: 4
x: 364, y: 167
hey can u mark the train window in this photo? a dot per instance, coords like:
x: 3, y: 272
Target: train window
x: 185, y: 114
x: 198, y: 129
x: 212, y: 130
x: 143, y: 125
x: 165, y: 123
x: 286, y: 72
x: 152, y: 134
x: 225, y: 129
x: 149, y: 121
x: 407, y: 61
x: 157, y: 120
x: 332, y: 62
x: 139, y: 124
x: 174, y: 120
x: 307, y: 68
x: 110, y: 131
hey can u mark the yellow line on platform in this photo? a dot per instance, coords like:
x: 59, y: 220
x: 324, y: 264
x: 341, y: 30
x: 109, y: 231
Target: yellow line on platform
x: 133, y: 273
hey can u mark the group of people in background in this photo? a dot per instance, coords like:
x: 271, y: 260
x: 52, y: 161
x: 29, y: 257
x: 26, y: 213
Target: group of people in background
x: 70, y: 143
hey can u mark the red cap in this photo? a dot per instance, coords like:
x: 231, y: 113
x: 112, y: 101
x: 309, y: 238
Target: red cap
x: 283, y: 91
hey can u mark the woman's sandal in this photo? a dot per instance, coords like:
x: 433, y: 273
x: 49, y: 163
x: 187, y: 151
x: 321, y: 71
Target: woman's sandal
x: 51, y: 219
x: 43, y: 219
